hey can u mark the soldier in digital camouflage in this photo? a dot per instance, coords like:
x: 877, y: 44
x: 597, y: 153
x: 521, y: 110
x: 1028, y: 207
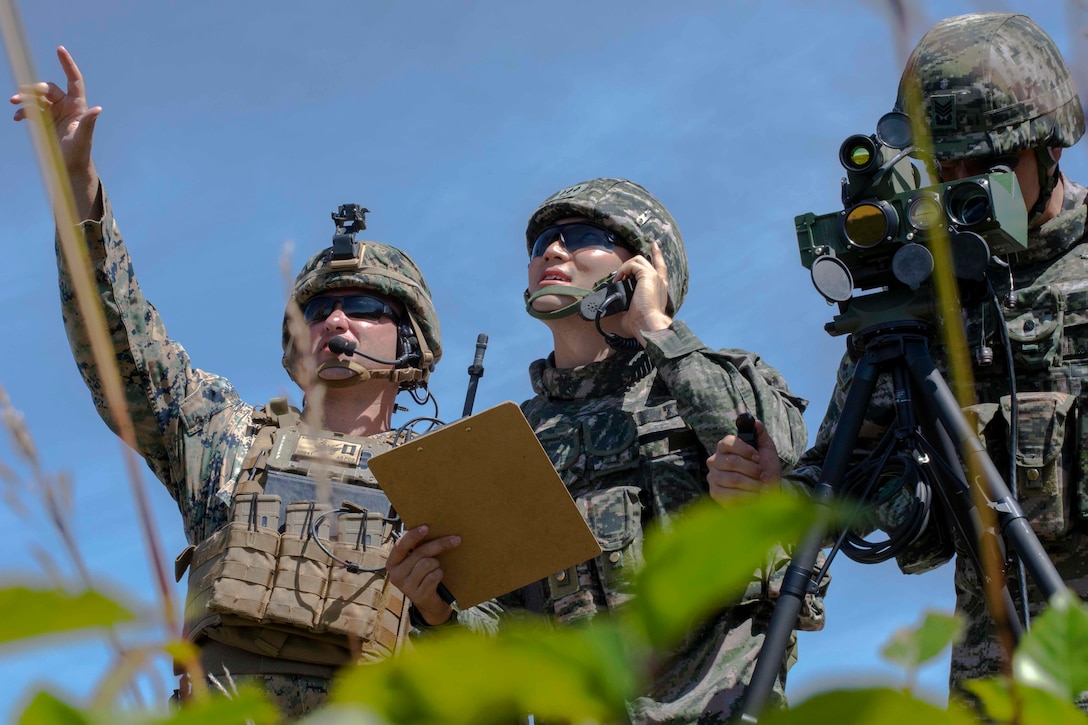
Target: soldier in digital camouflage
x: 996, y: 92
x: 212, y: 450
x: 628, y: 412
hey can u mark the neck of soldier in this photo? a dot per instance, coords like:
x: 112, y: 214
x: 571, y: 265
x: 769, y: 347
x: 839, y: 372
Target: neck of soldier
x: 363, y: 409
x: 577, y: 341
x: 1053, y: 205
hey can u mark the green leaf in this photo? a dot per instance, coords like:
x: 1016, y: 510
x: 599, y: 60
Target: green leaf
x: 46, y: 709
x: 27, y: 613
x: 343, y: 715
x: 456, y: 676
x: 249, y: 705
x: 865, y: 707
x: 911, y: 647
x: 709, y: 557
x: 1036, y: 707
x: 1054, y: 655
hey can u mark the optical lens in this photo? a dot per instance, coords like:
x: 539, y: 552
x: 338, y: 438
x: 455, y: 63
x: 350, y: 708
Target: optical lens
x: 365, y: 307
x: 860, y: 156
x: 968, y: 204
x: 356, y: 307
x: 924, y: 213
x: 573, y: 237
x: 865, y: 225
x: 318, y: 309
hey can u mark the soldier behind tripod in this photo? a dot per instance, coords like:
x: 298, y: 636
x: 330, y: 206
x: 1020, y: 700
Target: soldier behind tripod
x: 996, y: 93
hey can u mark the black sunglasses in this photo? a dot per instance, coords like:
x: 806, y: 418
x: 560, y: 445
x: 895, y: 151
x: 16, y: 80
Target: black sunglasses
x: 574, y: 236
x: 357, y: 307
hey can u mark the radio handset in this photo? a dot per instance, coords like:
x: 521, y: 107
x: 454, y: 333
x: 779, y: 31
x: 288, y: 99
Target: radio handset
x: 613, y: 298
x: 610, y: 299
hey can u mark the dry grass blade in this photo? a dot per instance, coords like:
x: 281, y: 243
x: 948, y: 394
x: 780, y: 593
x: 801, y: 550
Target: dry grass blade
x: 56, y: 180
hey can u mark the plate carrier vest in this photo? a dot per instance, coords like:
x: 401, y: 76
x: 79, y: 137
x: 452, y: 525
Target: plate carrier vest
x: 293, y: 584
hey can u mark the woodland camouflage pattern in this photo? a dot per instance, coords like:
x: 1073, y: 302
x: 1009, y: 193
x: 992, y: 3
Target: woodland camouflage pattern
x: 294, y: 695
x: 385, y: 269
x: 191, y: 426
x: 1058, y: 363
x: 992, y: 83
x: 628, y: 210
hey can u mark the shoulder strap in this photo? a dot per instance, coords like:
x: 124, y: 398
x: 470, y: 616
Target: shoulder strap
x: 266, y: 419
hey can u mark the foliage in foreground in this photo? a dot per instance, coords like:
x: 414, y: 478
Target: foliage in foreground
x: 584, y: 674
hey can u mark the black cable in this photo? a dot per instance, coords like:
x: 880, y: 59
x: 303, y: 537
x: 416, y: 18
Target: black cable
x: 876, y: 482
x: 1014, y: 436
x: 407, y: 429
x: 616, y: 342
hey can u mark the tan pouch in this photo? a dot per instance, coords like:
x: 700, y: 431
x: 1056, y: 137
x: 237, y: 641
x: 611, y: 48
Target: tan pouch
x: 363, y: 605
x: 302, y: 568
x: 231, y: 571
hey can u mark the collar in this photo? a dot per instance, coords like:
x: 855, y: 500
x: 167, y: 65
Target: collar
x: 616, y: 373
x: 1060, y: 233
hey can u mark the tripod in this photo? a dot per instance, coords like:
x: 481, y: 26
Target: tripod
x: 901, y: 348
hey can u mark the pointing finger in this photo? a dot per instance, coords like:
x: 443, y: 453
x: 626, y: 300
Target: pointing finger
x: 71, y: 72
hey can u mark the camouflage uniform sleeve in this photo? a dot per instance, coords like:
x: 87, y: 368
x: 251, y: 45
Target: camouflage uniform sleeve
x: 713, y: 387
x: 166, y: 397
x: 484, y: 618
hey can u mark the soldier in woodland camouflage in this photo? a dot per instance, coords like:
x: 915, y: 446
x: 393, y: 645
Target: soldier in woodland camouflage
x: 995, y: 91
x: 629, y: 429
x: 211, y: 449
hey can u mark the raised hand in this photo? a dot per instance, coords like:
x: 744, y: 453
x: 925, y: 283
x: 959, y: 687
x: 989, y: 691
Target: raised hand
x: 73, y: 123
x: 651, y: 296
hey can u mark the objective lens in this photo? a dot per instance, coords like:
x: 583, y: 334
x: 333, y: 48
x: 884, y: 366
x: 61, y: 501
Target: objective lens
x: 869, y: 223
x: 967, y: 203
x: 859, y: 154
x: 924, y: 212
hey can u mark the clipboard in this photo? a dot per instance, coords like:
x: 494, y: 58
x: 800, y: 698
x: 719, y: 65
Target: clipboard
x: 487, y: 479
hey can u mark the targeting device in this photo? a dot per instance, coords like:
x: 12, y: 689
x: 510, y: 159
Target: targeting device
x: 880, y: 239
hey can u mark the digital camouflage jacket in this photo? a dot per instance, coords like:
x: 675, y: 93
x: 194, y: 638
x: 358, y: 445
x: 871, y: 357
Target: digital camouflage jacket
x: 630, y: 436
x: 1044, y: 296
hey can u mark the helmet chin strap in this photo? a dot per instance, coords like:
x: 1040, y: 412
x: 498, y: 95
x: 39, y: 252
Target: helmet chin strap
x: 563, y: 290
x: 359, y: 374
x: 1048, y: 181
x: 566, y: 291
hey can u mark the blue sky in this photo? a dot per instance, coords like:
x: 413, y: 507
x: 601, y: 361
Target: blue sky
x: 230, y: 130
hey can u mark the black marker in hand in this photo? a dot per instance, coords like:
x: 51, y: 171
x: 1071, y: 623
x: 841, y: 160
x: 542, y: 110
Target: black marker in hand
x: 746, y: 429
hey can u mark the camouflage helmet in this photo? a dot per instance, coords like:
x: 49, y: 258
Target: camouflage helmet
x: 629, y: 211
x: 992, y: 84
x: 390, y: 272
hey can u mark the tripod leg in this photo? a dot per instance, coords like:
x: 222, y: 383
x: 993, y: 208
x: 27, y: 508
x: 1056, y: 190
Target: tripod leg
x: 994, y: 499
x: 982, y: 542
x: 798, y: 578
x: 996, y: 493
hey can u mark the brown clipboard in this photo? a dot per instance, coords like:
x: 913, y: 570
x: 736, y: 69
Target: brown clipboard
x: 487, y: 479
